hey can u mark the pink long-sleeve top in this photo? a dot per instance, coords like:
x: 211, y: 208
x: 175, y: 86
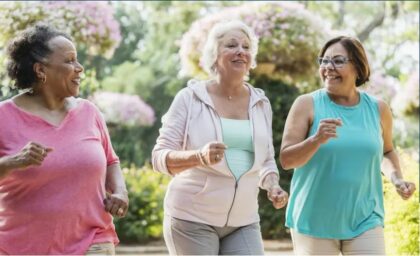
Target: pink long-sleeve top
x: 56, y: 208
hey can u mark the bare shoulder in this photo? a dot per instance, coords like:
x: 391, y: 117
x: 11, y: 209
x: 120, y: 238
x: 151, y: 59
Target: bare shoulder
x: 384, y: 109
x: 304, y: 101
x: 303, y: 106
x: 383, y: 106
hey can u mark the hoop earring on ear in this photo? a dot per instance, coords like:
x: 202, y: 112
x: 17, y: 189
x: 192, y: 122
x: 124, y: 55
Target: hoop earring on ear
x: 44, y: 79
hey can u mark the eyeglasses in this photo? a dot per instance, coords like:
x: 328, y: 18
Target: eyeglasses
x: 337, y: 62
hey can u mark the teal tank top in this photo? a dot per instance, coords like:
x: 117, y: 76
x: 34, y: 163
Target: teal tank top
x: 237, y: 135
x: 337, y: 194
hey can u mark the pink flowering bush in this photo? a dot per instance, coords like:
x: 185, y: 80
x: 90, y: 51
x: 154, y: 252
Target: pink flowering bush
x: 123, y: 109
x: 382, y: 86
x: 90, y: 23
x: 290, y: 38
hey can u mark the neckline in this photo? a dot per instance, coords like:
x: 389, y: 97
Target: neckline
x: 31, y: 115
x: 231, y: 119
x: 343, y: 106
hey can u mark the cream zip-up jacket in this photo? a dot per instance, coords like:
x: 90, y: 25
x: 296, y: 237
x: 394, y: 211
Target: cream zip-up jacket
x: 211, y: 195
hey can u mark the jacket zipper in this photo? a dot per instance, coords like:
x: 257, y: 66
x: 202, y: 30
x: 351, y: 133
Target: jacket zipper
x: 233, y: 176
x: 231, y: 205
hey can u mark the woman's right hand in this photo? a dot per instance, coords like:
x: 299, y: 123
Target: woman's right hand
x: 32, y: 154
x: 327, y: 129
x: 212, y: 152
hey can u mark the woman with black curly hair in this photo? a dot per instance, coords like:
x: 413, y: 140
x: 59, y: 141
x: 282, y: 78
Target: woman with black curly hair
x: 60, y: 179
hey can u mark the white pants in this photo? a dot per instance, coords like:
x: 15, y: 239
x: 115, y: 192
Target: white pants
x: 370, y: 242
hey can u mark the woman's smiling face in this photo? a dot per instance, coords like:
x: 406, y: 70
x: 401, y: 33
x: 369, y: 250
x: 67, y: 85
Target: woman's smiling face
x: 337, y: 76
x: 63, y: 71
x: 234, y: 55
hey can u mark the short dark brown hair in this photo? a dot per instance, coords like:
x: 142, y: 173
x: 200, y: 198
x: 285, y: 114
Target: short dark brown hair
x: 356, y: 53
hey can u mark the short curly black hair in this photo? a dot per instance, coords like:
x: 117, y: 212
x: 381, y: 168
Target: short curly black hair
x: 26, y: 49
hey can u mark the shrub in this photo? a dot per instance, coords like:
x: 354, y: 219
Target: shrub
x: 281, y: 97
x: 146, y: 191
x: 91, y: 23
x: 124, y: 109
x: 402, y: 217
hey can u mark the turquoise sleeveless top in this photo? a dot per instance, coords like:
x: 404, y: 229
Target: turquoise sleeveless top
x: 237, y: 135
x: 337, y: 194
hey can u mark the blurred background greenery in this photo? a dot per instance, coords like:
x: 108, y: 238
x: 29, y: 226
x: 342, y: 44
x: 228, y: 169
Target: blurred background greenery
x: 137, y: 55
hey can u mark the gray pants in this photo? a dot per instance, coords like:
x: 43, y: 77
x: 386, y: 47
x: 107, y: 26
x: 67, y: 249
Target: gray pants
x: 192, y: 238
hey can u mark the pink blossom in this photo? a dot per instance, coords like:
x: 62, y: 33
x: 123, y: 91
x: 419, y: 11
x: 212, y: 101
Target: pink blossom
x: 382, y: 86
x: 124, y: 109
x: 90, y: 23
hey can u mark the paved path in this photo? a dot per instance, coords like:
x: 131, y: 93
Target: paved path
x: 271, y: 247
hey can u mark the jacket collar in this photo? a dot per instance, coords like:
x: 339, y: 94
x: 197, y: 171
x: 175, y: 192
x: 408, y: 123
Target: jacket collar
x: 199, y: 89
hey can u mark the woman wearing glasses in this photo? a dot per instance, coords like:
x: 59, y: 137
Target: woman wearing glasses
x: 336, y: 139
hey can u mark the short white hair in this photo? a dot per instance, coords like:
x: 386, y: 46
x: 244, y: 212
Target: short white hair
x: 210, y: 50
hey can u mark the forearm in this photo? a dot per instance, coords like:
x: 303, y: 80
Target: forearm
x: 7, y: 164
x: 299, y: 154
x: 391, y: 166
x: 179, y: 161
x: 115, y: 180
x: 270, y: 181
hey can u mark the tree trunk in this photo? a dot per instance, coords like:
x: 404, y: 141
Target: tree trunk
x: 376, y: 22
x: 341, y: 13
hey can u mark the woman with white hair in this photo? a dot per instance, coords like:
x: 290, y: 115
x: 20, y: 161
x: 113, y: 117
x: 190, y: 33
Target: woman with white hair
x: 216, y: 143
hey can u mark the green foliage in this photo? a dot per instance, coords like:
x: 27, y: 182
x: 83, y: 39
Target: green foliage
x: 91, y: 24
x: 133, y: 144
x: 139, y: 83
x: 402, y: 217
x: 133, y: 29
x: 146, y: 191
x: 89, y: 83
x: 281, y: 97
x: 406, y: 133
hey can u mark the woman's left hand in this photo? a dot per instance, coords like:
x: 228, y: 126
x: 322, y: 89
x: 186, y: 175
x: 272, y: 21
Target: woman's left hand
x: 277, y: 196
x: 404, y: 188
x: 116, y: 204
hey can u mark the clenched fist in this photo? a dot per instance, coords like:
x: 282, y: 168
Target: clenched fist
x: 327, y: 129
x: 32, y: 154
x: 211, y: 153
x: 277, y: 196
x: 404, y: 188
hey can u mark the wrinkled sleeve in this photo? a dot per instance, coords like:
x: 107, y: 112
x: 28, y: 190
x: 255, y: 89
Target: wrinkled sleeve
x: 171, y: 134
x: 269, y: 165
